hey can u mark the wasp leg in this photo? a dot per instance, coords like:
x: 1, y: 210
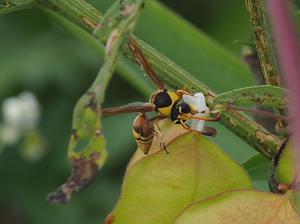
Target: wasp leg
x: 185, y: 126
x: 190, y: 117
x: 158, y: 133
x: 163, y: 147
x: 162, y: 144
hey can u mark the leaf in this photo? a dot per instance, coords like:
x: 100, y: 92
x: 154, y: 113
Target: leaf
x: 87, y: 150
x: 264, y: 95
x: 241, y: 207
x: 258, y: 168
x: 285, y: 168
x: 157, y: 187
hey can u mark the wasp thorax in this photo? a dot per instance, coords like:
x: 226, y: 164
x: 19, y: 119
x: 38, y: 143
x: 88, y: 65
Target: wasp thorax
x: 164, y: 101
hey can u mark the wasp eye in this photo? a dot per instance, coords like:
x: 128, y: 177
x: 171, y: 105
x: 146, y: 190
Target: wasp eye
x: 184, y: 108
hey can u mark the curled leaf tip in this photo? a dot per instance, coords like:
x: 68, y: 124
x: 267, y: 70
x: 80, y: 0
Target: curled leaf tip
x: 110, y: 219
x: 83, y: 172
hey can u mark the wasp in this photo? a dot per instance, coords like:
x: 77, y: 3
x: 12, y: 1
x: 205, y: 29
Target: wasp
x: 173, y: 105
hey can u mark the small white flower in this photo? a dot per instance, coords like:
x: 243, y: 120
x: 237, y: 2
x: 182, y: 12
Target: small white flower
x: 198, y: 103
x: 20, y: 114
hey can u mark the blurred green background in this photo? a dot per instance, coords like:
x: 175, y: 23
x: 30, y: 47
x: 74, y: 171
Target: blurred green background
x: 58, y: 63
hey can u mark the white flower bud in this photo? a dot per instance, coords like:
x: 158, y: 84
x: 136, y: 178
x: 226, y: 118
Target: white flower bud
x: 198, y: 102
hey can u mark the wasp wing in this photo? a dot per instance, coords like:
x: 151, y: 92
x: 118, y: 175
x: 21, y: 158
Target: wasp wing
x: 143, y: 62
x: 129, y: 108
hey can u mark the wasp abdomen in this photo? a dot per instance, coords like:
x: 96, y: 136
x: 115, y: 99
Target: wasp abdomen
x: 143, y: 132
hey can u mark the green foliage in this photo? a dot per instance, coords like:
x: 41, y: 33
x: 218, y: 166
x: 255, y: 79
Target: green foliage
x: 285, y: 167
x: 38, y: 55
x: 59, y: 69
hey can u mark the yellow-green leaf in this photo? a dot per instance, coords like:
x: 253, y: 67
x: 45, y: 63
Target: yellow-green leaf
x: 285, y: 168
x: 157, y: 187
x: 241, y: 207
x: 258, y: 168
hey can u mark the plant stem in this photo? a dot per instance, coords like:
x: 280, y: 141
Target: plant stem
x: 88, y: 18
x: 7, y: 6
x: 87, y: 148
x: 263, y: 43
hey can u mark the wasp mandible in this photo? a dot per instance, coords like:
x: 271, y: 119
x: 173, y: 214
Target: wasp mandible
x: 181, y: 107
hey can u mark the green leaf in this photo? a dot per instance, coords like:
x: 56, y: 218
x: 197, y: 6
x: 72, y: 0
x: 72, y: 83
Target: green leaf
x: 258, y: 169
x: 285, y: 169
x: 157, y: 187
x: 264, y: 95
x: 242, y: 207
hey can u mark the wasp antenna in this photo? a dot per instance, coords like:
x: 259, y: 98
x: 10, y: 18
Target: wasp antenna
x: 129, y: 108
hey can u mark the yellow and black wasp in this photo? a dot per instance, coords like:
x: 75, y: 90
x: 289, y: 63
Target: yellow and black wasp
x: 166, y: 103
